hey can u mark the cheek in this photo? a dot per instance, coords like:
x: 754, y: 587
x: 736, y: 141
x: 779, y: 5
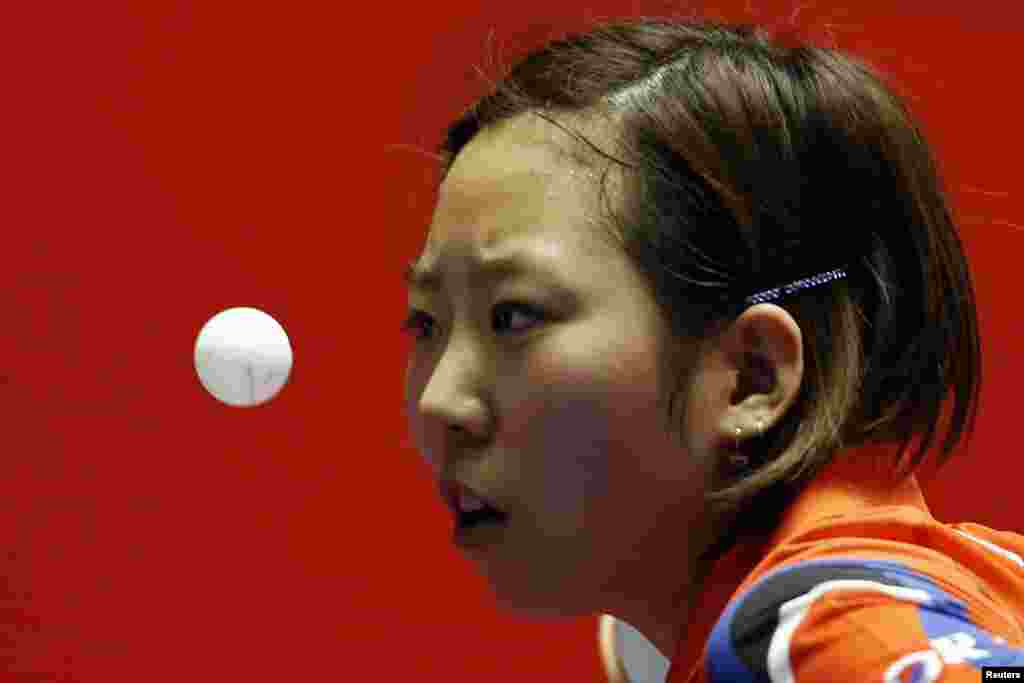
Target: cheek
x: 704, y: 400
x: 557, y: 446
x: 582, y: 439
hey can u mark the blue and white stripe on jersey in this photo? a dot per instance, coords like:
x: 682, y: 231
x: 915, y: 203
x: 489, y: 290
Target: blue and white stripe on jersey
x: 751, y: 640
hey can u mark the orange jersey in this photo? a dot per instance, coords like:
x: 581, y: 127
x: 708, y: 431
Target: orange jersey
x: 860, y: 583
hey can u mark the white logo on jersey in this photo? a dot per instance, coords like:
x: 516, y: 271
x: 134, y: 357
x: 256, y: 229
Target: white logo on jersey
x: 958, y: 648
x: 952, y: 649
x: 927, y: 658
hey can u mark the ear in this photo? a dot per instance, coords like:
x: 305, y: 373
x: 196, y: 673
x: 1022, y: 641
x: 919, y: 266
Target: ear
x: 764, y: 346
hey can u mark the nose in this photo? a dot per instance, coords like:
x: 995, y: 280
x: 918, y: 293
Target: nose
x: 450, y: 407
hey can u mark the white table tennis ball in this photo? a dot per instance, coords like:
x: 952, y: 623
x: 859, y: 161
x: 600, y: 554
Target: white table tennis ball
x: 243, y: 357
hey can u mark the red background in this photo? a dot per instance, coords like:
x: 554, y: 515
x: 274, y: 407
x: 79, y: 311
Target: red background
x: 164, y: 161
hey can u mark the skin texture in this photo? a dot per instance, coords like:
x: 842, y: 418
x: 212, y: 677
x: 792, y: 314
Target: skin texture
x: 561, y: 419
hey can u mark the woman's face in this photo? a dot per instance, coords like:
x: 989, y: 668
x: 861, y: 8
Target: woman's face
x: 562, y: 405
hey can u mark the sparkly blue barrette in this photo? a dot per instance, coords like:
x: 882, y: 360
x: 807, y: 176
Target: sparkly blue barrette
x: 793, y: 287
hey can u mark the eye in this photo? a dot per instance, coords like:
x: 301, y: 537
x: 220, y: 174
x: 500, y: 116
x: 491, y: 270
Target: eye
x: 415, y: 321
x: 517, y: 307
x: 418, y: 319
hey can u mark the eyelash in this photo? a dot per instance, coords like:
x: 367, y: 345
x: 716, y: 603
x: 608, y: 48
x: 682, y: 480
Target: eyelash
x: 413, y: 322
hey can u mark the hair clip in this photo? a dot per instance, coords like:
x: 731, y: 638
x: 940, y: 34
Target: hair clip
x: 793, y: 287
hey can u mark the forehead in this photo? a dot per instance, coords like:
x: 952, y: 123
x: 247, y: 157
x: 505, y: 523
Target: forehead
x: 513, y: 182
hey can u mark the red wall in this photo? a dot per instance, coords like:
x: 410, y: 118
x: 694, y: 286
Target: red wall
x: 163, y: 161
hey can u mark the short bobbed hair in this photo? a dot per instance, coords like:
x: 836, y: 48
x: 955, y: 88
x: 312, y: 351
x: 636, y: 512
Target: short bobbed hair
x: 742, y: 164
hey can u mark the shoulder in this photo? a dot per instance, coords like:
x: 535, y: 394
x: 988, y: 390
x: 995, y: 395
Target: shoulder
x: 845, y: 618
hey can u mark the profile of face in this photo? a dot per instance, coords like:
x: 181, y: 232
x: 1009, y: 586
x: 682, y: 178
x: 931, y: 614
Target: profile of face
x: 545, y: 387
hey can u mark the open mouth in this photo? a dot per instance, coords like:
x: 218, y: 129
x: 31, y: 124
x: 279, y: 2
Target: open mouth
x: 484, y: 516
x: 477, y: 521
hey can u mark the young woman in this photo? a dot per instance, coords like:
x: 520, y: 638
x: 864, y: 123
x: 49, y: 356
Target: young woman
x: 688, y: 298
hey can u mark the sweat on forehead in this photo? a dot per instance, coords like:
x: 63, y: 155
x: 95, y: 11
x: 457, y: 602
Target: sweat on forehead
x: 529, y: 145
x: 520, y: 174
x: 558, y: 134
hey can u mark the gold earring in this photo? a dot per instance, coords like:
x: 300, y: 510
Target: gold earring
x: 738, y: 459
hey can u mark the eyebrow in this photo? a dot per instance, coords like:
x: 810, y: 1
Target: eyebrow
x: 431, y: 280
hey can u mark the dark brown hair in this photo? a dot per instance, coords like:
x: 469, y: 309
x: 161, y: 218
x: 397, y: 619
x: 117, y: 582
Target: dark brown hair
x: 745, y: 164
